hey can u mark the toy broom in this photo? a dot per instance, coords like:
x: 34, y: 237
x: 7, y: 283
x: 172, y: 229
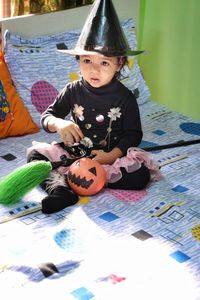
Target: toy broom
x: 23, y: 179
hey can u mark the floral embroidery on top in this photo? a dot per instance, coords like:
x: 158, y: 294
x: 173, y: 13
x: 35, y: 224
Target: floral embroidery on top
x: 78, y: 111
x: 113, y: 114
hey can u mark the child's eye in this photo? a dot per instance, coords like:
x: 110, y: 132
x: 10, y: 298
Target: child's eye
x: 87, y: 61
x: 105, y: 63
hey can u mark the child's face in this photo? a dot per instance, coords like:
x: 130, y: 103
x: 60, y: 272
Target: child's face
x: 98, y: 70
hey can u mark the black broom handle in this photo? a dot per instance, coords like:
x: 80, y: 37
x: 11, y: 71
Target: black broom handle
x: 172, y: 145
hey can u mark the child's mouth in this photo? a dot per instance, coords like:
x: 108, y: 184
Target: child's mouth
x: 94, y: 79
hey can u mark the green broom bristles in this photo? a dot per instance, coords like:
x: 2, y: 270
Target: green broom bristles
x: 22, y: 180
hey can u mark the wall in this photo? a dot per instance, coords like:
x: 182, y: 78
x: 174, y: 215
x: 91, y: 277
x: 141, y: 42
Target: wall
x: 170, y: 32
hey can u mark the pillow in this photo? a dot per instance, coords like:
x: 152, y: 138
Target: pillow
x: 39, y: 71
x: 15, y: 119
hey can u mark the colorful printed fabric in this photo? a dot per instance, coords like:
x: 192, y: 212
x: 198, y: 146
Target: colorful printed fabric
x: 4, y: 105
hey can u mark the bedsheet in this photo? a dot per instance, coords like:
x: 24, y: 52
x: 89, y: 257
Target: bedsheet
x: 116, y: 244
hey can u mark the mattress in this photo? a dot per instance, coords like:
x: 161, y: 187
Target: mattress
x: 116, y: 244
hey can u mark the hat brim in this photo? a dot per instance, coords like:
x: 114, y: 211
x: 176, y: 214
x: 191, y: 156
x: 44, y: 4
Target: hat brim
x: 79, y: 51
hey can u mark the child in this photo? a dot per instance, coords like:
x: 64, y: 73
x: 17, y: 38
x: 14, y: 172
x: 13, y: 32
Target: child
x: 105, y: 114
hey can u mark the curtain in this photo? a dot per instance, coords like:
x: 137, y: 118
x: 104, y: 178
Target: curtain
x: 4, y: 8
x: 24, y: 7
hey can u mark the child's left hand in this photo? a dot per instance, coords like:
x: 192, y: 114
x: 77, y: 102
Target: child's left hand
x: 106, y: 158
x: 100, y: 156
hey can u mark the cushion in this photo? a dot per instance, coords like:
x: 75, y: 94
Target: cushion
x: 15, y: 120
x: 39, y: 71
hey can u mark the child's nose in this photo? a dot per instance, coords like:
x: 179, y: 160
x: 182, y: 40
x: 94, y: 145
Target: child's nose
x: 95, y: 67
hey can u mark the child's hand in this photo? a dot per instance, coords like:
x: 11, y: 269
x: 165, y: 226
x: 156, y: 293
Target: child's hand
x: 104, y: 158
x: 101, y: 156
x: 69, y: 131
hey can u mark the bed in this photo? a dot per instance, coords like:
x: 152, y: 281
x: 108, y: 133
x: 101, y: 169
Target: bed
x: 116, y: 244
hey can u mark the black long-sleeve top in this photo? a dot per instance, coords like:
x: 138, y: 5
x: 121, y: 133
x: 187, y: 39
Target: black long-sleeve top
x: 109, y: 116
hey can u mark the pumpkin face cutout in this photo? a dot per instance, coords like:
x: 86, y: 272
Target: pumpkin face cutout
x: 86, y: 177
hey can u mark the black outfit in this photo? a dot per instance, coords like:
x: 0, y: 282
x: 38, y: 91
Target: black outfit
x: 94, y: 121
x: 109, y: 117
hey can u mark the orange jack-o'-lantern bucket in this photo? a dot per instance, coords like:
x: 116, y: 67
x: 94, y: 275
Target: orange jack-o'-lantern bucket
x: 86, y: 176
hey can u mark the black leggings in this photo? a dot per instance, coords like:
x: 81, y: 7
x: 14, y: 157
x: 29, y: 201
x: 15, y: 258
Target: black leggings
x: 137, y: 180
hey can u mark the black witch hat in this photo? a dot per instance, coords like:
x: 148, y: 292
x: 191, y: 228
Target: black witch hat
x: 102, y: 33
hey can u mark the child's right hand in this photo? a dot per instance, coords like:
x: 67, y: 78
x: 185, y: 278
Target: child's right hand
x: 69, y: 131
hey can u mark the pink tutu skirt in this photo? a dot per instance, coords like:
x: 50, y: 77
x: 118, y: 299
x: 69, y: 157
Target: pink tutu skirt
x: 133, y: 161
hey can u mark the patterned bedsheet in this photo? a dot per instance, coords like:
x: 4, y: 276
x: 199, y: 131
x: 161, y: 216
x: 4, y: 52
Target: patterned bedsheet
x: 117, y: 244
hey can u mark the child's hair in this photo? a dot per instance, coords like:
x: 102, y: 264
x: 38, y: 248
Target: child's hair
x: 122, y: 60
